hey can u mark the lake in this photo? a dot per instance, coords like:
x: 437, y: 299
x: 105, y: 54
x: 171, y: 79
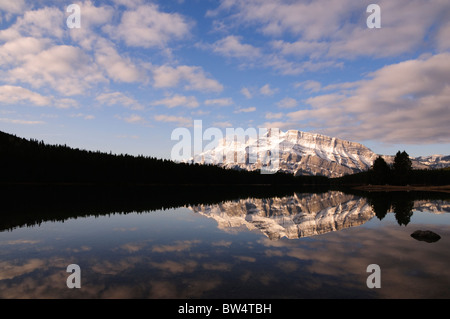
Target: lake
x: 300, y: 245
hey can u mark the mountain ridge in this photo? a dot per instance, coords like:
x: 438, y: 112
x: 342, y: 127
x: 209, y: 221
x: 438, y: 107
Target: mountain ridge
x: 305, y: 153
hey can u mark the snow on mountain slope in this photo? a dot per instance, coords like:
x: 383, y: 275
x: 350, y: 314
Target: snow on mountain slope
x: 296, y: 152
x: 301, y: 153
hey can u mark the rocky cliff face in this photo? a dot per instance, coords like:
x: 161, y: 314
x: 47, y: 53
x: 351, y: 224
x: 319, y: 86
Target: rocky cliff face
x: 302, y: 153
x: 314, y: 154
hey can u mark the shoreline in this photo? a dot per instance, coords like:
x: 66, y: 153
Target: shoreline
x: 394, y: 188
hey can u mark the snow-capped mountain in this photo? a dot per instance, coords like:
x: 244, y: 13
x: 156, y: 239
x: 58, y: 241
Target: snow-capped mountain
x: 301, y: 153
x: 425, y: 162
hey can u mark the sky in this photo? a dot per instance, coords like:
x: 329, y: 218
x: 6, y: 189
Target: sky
x: 133, y: 71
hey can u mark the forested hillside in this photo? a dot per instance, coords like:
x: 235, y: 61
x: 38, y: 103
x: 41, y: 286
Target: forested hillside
x: 33, y: 161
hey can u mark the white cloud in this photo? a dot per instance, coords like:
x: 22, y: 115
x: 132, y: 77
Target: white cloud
x: 193, y: 77
x: 267, y: 90
x: 309, y: 85
x: 178, y: 100
x: 65, y: 103
x: 91, y: 17
x: 84, y: 116
x: 245, y: 110
x: 317, y: 31
x: 118, y: 68
x: 246, y: 92
x: 407, y: 102
x: 94, y: 16
x: 11, y: 94
x: 289, y: 67
x: 443, y: 37
x: 118, y: 98
x: 67, y: 69
x: 16, y: 6
x: 222, y: 124
x: 44, y: 22
x: 406, y: 25
x: 220, y: 102
x: 33, y: 52
x: 273, y: 116
x: 337, y: 28
x: 129, y: 3
x: 20, y: 121
x: 300, y: 48
x: 281, y: 125
x: 287, y: 102
x: 179, y: 120
x: 146, y: 26
x: 231, y: 46
x: 312, y: 19
x: 17, y: 50
x: 15, y: 94
x: 134, y: 119
x: 200, y: 113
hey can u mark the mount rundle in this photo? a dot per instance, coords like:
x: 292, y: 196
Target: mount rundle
x: 303, y: 153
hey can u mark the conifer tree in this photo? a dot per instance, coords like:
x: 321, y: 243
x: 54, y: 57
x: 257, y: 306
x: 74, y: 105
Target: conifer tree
x: 402, y: 168
x: 381, y: 171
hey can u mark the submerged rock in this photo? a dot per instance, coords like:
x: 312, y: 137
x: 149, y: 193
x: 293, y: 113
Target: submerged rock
x: 426, y: 235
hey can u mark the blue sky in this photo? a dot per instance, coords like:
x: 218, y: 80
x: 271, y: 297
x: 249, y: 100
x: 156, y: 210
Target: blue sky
x: 136, y: 70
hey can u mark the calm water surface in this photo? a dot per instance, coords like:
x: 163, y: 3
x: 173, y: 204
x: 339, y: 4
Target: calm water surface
x: 300, y: 246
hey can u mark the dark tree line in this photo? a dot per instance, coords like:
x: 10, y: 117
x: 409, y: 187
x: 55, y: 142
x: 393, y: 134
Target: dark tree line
x: 400, y: 172
x: 32, y: 161
x: 397, y: 174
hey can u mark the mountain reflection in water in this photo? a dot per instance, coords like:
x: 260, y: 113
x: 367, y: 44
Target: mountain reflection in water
x: 305, y: 215
x: 300, y: 215
x: 154, y: 246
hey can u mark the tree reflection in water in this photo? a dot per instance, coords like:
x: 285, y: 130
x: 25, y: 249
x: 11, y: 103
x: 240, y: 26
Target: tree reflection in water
x: 400, y: 203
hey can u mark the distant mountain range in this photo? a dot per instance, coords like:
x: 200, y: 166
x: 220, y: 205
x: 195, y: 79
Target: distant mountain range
x: 303, y: 153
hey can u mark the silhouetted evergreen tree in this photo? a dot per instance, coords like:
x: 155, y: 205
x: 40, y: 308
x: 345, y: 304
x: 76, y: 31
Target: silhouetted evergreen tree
x: 401, y: 168
x: 402, y: 162
x: 381, y: 172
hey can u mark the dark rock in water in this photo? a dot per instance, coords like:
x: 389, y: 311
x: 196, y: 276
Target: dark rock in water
x: 425, y: 235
